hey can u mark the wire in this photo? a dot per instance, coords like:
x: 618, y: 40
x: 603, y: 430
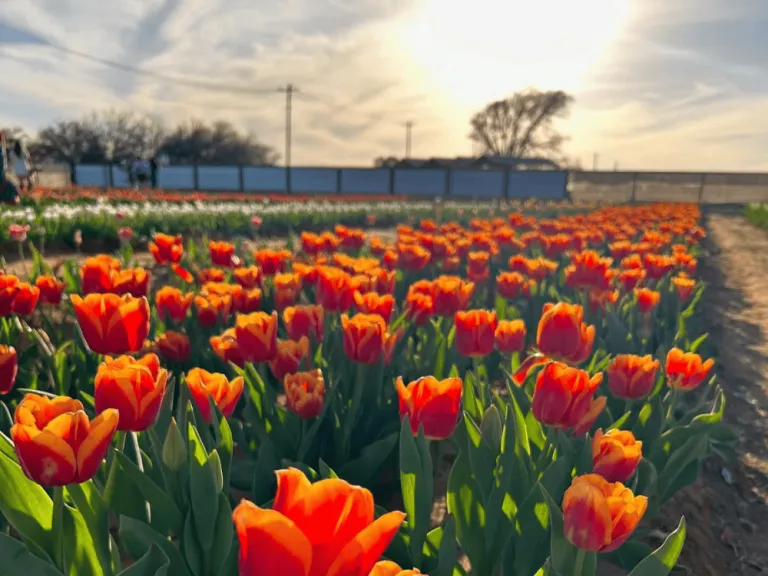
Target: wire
x: 165, y: 77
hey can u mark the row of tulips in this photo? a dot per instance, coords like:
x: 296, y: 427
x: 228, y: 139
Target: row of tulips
x: 281, y: 412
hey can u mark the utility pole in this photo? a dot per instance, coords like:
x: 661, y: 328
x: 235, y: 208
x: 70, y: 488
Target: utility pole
x: 595, y: 156
x: 289, y: 91
x: 408, y: 127
x: 616, y: 166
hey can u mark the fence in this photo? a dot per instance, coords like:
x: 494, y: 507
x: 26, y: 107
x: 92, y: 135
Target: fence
x: 400, y: 181
x: 707, y: 188
x: 617, y: 187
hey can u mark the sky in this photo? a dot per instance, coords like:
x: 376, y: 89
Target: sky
x: 658, y: 84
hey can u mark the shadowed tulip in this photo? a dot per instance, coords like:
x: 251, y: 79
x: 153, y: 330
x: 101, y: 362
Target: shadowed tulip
x: 510, y: 336
x: 365, y: 337
x: 562, y: 334
x: 249, y: 277
x: 9, y: 368
x: 305, y: 393
x: 304, y: 321
x: 451, y: 294
x: 432, y: 404
x: 373, y: 303
x: 475, y: 331
x: 51, y: 290
x: 290, y: 355
x: 227, y: 348
x: 616, y: 454
x: 173, y: 346
x: 221, y: 253
x: 55, y: 441
x: 167, y: 249
x: 632, y: 377
x: 256, y: 336
x: 172, y: 304
x: 204, y: 385
x: 25, y: 300
x: 563, y: 397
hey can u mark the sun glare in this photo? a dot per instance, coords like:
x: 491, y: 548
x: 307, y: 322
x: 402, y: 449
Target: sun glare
x: 484, y: 49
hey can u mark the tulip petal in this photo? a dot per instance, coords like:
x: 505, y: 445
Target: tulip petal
x: 93, y: 447
x: 45, y: 458
x: 360, y: 555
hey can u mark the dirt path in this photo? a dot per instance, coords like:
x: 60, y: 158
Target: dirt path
x: 727, y: 509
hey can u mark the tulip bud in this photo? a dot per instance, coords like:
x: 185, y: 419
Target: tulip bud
x: 174, y: 448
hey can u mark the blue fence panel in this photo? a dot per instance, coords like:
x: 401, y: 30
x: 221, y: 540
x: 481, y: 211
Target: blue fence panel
x: 119, y: 177
x: 176, y: 177
x: 264, y: 178
x: 314, y: 180
x: 420, y: 182
x: 549, y: 185
x: 364, y: 181
x: 218, y: 177
x: 91, y: 175
x: 471, y: 183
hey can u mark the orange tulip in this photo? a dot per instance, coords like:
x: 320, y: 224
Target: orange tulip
x: 204, y: 385
x: 647, y: 300
x: 509, y: 285
x: 256, y: 335
x: 167, y: 249
x: 287, y: 289
x: 248, y: 277
x: 684, y: 287
x: 373, y: 303
x: 563, y: 397
x: 247, y: 300
x: 8, y: 289
x: 366, y: 337
x: 173, y: 346
x: 451, y: 294
x: 290, y: 355
x: 135, y: 388
x: 632, y: 377
x: 227, y: 348
x: 631, y: 278
x: 212, y: 308
x: 335, y: 289
x: 685, y: 371
x: 271, y: 262
x: 389, y: 568
x: 304, y: 321
x: 475, y: 331
x: 56, y: 442
x: 96, y: 274
x: 211, y: 275
x: 477, y: 267
x: 600, y: 516
x: 616, y: 454
x: 51, y: 289
x: 432, y: 404
x: 305, y: 393
x: 25, y: 299
x: 510, y: 336
x: 172, y: 304
x: 384, y: 280
x: 412, y: 257
x: 321, y: 529
x: 221, y: 253
x: 9, y: 368
x: 112, y: 324
x: 562, y: 334
x: 133, y: 281
x: 420, y: 307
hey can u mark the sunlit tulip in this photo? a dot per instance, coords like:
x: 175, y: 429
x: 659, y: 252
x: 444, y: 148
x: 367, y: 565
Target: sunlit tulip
x: 475, y: 331
x: 562, y: 334
x: 616, y: 454
x: 451, y: 294
x: 335, y: 289
x: 600, y: 516
x: 227, y: 348
x: 632, y: 377
x: 271, y: 262
x: 167, y: 249
x: 9, y: 368
x: 287, y: 289
x: 373, y: 303
x: 134, y: 388
x: 25, y: 299
x: 509, y: 285
x: 305, y: 393
x: 112, y: 324
x: 389, y: 568
x: 432, y: 404
x: 686, y: 370
x: 172, y: 304
x: 55, y: 441
x: 563, y: 397
x: 211, y: 275
x: 365, y: 337
x: 51, y: 290
x: 249, y: 277
x: 173, y: 346
x: 247, y: 300
x: 97, y: 274
x: 412, y: 257
x: 290, y: 355
x: 8, y: 289
x: 684, y: 287
x: 256, y: 336
x: 204, y: 386
x: 478, y: 267
x: 419, y: 308
x: 509, y: 336
x: 647, y: 300
x: 133, y: 281
x: 321, y: 529
x: 212, y: 309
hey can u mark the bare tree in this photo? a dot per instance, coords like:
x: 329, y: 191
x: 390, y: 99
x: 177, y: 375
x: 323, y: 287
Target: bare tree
x: 522, y: 125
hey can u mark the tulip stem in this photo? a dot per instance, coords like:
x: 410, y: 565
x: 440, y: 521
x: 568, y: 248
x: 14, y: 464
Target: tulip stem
x: 140, y: 465
x: 57, y: 529
x: 671, y: 410
x: 23, y: 259
x: 578, y: 563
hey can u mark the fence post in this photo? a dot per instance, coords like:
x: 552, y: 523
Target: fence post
x: 240, y: 178
x: 391, y: 181
x: 447, y: 182
x: 633, y: 197
x: 505, y: 183
x: 701, y: 187
x: 338, y: 180
x: 288, y: 179
x: 195, y: 178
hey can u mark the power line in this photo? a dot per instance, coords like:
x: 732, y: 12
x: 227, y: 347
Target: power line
x: 165, y: 77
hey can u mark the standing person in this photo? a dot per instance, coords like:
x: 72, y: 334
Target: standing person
x: 9, y: 192
x: 154, y: 166
x: 21, y: 164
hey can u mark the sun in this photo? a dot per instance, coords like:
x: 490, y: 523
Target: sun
x: 478, y: 50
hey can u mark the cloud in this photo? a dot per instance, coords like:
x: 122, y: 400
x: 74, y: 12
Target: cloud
x: 658, y: 84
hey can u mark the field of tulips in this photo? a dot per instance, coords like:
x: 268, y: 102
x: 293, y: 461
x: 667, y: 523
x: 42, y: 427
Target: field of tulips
x: 291, y: 412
